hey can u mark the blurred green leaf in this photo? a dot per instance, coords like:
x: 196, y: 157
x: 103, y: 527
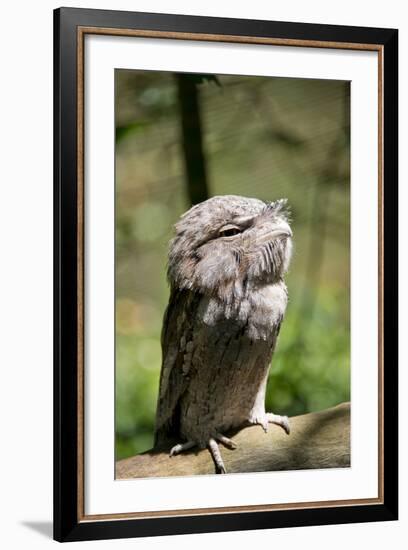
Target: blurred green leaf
x: 130, y: 129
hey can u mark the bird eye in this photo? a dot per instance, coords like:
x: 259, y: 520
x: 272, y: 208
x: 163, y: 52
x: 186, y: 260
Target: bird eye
x: 229, y: 231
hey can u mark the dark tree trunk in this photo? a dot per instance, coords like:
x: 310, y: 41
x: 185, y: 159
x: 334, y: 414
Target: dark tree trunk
x: 192, y: 140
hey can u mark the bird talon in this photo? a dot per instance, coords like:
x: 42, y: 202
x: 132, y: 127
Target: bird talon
x: 216, y: 455
x: 226, y: 441
x: 180, y: 447
x: 282, y: 421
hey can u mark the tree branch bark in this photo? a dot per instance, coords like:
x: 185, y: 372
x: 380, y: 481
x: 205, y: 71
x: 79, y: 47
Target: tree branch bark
x: 317, y: 440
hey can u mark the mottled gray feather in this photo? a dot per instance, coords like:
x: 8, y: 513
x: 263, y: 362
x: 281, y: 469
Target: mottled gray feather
x: 227, y: 302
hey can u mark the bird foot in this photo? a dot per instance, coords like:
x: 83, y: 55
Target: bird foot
x: 180, y: 447
x: 216, y: 455
x: 212, y: 446
x: 270, y: 418
x: 226, y: 441
x: 282, y: 421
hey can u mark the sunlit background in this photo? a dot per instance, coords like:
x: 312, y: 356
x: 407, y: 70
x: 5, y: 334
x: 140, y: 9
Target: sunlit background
x: 259, y: 137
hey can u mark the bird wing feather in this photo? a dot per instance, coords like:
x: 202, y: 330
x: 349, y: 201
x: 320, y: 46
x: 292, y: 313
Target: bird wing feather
x: 177, y: 343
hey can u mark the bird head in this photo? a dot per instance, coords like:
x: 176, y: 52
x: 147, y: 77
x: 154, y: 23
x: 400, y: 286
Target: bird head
x: 229, y: 244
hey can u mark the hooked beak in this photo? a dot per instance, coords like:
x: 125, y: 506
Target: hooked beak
x: 282, y: 230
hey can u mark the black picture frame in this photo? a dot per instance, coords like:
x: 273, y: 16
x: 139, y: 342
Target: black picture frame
x: 68, y: 525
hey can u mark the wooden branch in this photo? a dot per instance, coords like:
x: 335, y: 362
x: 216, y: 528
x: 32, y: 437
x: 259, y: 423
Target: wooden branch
x: 317, y: 440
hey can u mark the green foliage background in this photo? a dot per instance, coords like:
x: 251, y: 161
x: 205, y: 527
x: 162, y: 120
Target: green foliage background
x: 263, y: 137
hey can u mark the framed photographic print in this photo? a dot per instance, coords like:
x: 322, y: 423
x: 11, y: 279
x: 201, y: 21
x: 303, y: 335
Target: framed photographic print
x: 225, y: 274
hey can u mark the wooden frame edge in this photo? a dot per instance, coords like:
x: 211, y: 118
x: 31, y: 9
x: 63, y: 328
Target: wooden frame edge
x: 196, y: 36
x: 80, y: 273
x: 81, y: 32
x: 380, y: 274
x: 191, y: 512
